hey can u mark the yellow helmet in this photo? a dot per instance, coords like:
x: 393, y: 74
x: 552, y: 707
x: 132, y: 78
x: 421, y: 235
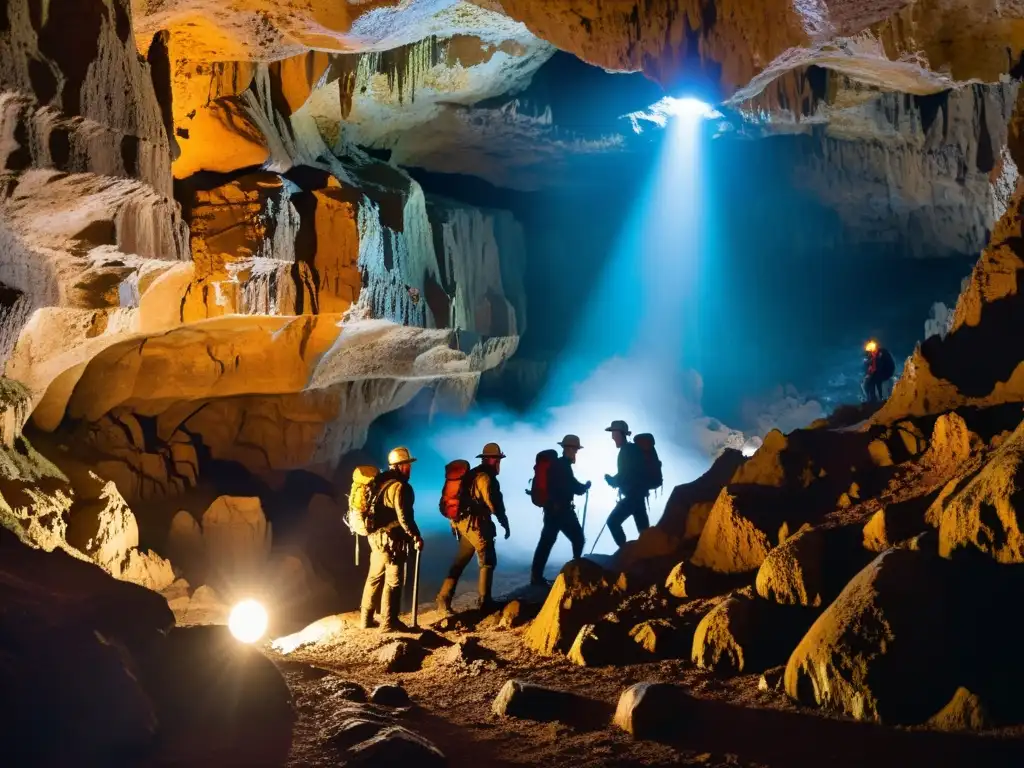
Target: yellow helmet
x: 400, y: 455
x: 491, y: 451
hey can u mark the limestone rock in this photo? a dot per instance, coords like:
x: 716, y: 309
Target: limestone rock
x: 952, y: 442
x: 792, y: 573
x: 983, y: 513
x: 343, y: 690
x: 771, y: 679
x: 723, y: 637
x: 147, y: 569
x: 743, y: 526
x: 895, y: 523
x: 104, y: 529
x: 400, y: 656
x: 964, y: 712
x: 526, y: 701
x: 582, y: 592
x: 600, y: 644
x: 204, y: 607
x: 745, y: 633
x: 230, y: 140
x: 675, y: 583
x: 185, y: 545
x: 236, y: 535
x: 72, y: 637
x: 396, y: 746
x: 390, y: 696
x: 660, y: 638
x: 651, y: 710
x: 214, y: 695
x: 881, y: 650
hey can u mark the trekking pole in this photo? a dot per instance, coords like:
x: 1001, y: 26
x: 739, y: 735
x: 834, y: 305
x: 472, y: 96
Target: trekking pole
x: 586, y: 502
x: 357, y: 549
x: 415, y: 589
x: 598, y: 537
x: 405, y: 572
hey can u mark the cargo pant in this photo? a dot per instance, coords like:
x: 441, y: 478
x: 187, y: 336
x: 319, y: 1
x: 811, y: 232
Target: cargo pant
x: 557, y: 519
x: 635, y: 506
x: 387, y: 556
x: 476, y: 536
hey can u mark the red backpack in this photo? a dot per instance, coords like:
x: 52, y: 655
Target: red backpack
x: 540, y: 488
x: 651, y: 465
x: 451, y: 495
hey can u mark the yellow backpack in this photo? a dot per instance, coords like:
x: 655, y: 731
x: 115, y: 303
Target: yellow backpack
x: 360, y: 500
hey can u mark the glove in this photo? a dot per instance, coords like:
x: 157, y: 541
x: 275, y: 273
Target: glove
x: 507, y: 533
x: 418, y: 543
x: 587, y: 485
x: 608, y: 479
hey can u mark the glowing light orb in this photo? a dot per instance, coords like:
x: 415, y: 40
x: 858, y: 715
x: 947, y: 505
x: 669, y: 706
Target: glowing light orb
x: 248, y: 621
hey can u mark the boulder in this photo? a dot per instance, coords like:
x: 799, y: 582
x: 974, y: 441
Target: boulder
x: 744, y: 524
x: 721, y: 642
x: 661, y: 638
x: 185, y: 546
x: 964, y: 712
x: 793, y: 572
x: 882, y: 650
x: 952, y: 442
x: 204, y: 607
x: 218, y: 700
x: 344, y: 690
x: 986, y: 512
x: 771, y: 679
x: 527, y: 701
x: 400, y: 656
x: 652, y: 710
x: 71, y: 638
x: 582, y: 593
x: 396, y: 746
x: 104, y: 529
x: 676, y: 581
x: 390, y: 696
x: 236, y: 536
x: 601, y: 644
x: 895, y: 523
x: 744, y: 633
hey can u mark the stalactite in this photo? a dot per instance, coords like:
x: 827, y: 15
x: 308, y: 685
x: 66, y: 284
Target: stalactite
x: 404, y: 66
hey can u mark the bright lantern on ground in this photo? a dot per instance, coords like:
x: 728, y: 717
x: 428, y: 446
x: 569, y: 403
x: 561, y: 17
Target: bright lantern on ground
x: 248, y: 621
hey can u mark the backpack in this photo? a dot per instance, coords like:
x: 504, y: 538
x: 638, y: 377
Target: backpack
x: 361, y: 498
x: 452, y: 500
x: 540, y: 487
x: 651, y: 464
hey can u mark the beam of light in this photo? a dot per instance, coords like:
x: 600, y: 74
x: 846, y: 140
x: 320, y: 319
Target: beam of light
x: 248, y: 621
x: 630, y: 356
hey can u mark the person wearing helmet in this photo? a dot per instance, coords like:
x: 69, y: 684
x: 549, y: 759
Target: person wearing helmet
x: 560, y: 511
x: 476, y: 529
x: 395, y: 530
x: 629, y: 482
x: 879, y: 367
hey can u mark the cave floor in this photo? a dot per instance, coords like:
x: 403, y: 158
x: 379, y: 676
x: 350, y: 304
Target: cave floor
x: 732, y: 722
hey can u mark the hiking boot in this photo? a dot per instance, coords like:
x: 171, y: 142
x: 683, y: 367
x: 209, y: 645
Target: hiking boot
x: 366, y: 619
x: 444, y: 608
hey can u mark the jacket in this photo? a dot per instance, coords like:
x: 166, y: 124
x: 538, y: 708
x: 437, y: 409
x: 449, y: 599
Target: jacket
x: 485, y: 497
x: 629, y: 478
x: 395, y: 507
x: 562, y: 484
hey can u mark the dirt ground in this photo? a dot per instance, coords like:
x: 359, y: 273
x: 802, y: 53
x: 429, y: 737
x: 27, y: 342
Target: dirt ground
x: 728, y: 723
